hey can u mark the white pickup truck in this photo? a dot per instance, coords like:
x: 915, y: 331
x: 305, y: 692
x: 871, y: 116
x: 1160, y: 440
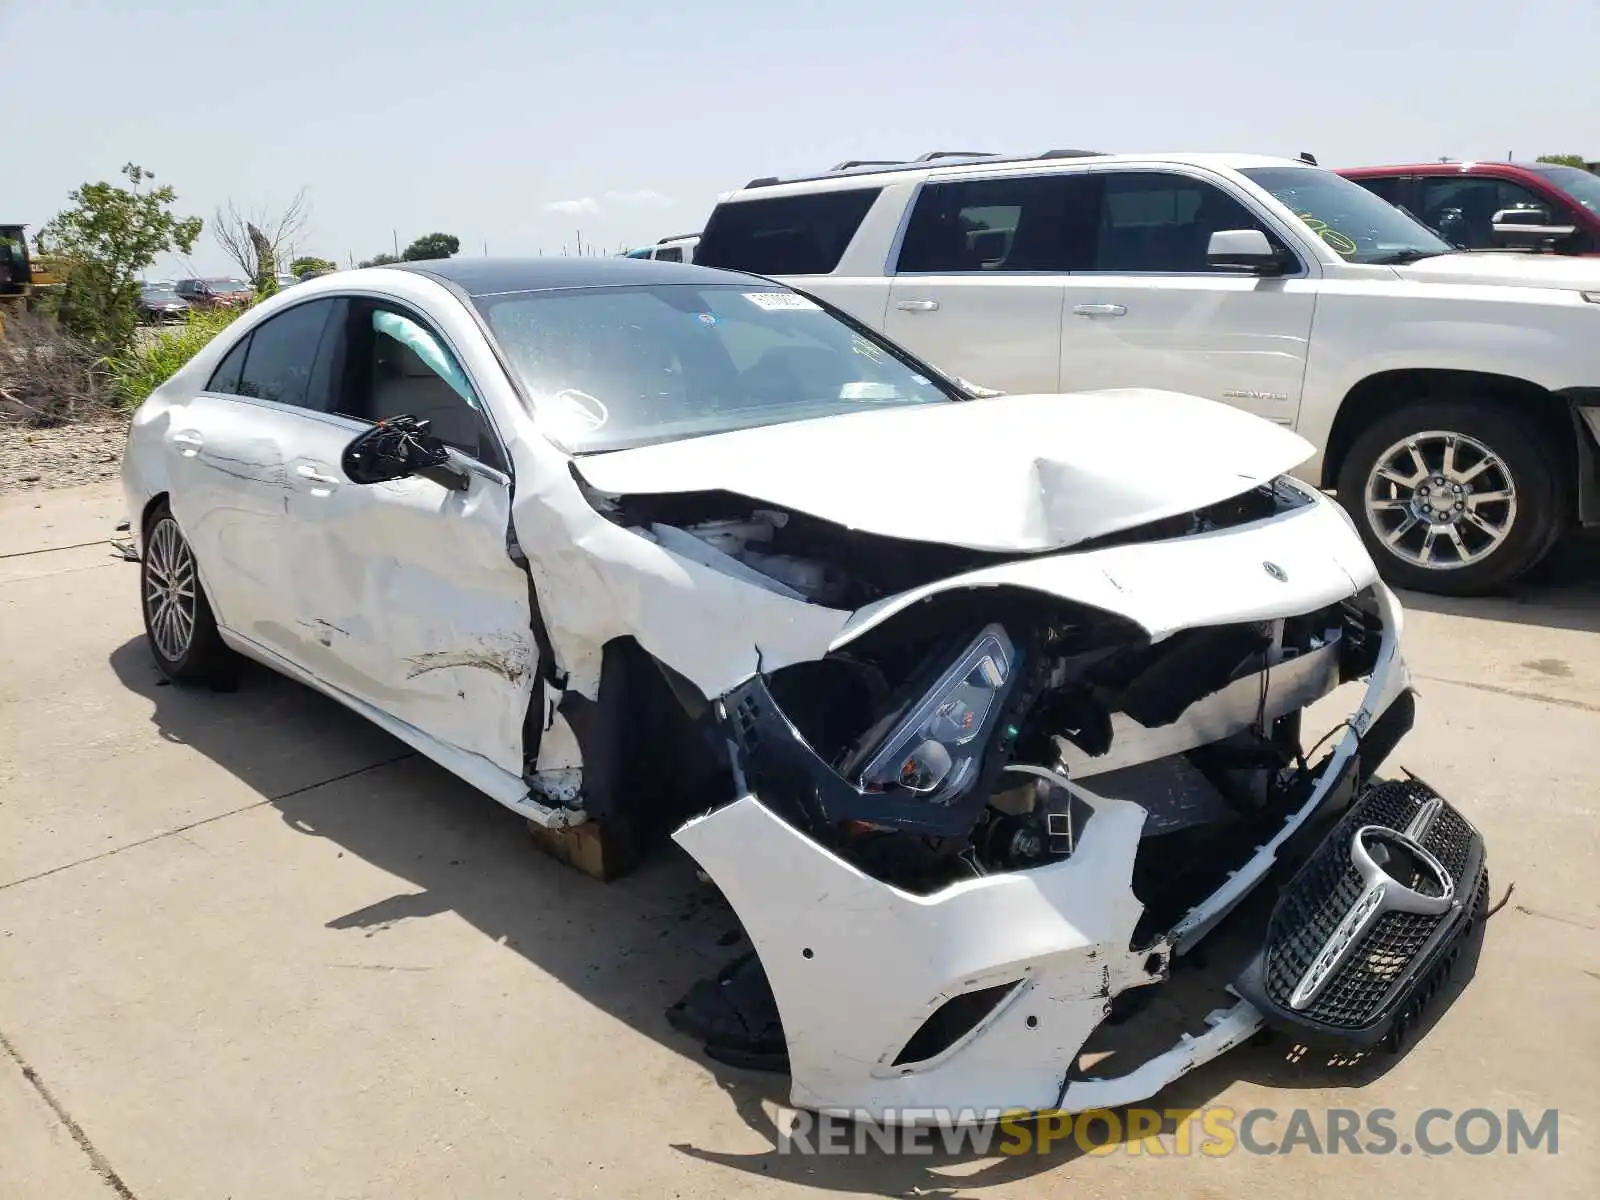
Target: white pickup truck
x: 1454, y: 399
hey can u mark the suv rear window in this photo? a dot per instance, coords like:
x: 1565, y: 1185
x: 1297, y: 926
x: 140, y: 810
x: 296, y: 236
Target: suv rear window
x: 787, y: 235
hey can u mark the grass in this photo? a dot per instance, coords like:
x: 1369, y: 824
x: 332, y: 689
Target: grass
x: 148, y: 365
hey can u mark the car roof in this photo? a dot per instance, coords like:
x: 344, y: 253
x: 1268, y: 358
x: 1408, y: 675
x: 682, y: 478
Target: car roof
x: 492, y: 276
x: 865, y: 176
x: 1444, y: 168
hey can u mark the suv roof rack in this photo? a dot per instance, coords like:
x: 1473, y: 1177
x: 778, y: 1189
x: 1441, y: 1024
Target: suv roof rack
x: 854, y: 165
x: 677, y: 237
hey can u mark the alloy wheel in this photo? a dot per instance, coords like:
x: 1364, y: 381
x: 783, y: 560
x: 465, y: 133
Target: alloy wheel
x: 1441, y: 500
x: 170, y: 590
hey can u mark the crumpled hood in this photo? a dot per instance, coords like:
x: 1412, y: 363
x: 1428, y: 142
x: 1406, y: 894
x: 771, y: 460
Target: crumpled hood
x: 1009, y: 474
x: 1507, y: 270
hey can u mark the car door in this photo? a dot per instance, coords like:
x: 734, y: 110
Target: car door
x: 1144, y: 308
x: 406, y: 596
x: 977, y: 287
x: 229, y: 447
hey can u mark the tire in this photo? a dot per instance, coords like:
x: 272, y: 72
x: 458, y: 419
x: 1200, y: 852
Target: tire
x: 1458, y: 538
x: 178, y: 623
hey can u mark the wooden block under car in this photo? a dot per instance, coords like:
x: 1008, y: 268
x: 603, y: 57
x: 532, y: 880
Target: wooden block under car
x: 603, y: 851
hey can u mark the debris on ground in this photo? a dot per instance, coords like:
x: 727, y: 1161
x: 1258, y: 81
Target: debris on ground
x: 65, y: 456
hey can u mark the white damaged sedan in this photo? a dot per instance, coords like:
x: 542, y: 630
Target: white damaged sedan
x: 984, y: 714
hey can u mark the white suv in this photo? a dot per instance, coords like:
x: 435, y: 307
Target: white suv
x: 1454, y: 399
x: 678, y: 248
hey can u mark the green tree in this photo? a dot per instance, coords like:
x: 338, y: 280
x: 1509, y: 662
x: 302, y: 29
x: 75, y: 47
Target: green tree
x: 108, y: 236
x: 1565, y: 160
x: 304, y: 266
x: 431, y: 245
x: 378, y: 260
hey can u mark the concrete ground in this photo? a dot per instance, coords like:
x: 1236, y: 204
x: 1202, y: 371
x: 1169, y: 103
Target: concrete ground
x: 252, y: 947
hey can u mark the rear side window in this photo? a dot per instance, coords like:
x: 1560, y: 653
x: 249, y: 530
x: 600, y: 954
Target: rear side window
x: 282, y: 355
x: 670, y: 254
x: 1017, y: 224
x: 1385, y: 187
x: 788, y: 235
x: 225, y: 378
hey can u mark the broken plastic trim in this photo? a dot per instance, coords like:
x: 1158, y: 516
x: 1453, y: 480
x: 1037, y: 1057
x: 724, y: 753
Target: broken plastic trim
x: 781, y: 765
x: 952, y: 1023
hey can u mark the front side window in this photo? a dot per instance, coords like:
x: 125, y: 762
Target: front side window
x: 785, y: 235
x: 1462, y: 207
x: 282, y: 354
x: 387, y: 363
x: 1359, y: 226
x: 975, y: 225
x: 609, y: 368
x: 1156, y: 221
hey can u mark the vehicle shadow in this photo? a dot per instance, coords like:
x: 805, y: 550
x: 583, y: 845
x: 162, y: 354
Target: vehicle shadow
x: 1562, y: 592
x: 631, y: 948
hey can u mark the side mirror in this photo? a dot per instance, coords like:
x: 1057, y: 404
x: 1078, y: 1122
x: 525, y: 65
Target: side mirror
x: 1246, y: 250
x: 1526, y: 228
x: 396, y: 449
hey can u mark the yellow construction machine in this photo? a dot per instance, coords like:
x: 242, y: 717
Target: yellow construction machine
x: 25, y: 278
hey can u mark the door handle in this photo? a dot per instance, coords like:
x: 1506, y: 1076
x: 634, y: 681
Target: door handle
x: 316, y: 476
x: 188, y: 443
x: 1100, y: 310
x: 916, y: 305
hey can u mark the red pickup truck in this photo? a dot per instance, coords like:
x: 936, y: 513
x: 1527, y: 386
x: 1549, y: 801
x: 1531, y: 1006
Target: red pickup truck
x: 1496, y: 205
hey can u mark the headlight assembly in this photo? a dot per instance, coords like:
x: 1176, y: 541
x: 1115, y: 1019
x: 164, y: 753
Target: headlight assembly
x: 935, y: 750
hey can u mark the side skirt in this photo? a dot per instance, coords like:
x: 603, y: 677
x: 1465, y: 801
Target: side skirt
x: 482, y: 774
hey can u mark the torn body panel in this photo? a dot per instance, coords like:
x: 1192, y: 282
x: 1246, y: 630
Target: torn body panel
x: 1068, y: 933
x: 1308, y: 557
x: 597, y: 581
x: 858, y: 966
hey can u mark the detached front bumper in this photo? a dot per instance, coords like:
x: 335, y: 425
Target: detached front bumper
x: 981, y: 997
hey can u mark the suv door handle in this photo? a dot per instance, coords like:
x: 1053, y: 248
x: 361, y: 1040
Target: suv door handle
x: 916, y: 305
x: 1100, y: 310
x: 188, y: 443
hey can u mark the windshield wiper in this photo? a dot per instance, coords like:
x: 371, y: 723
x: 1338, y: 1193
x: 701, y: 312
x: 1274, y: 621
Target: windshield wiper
x: 1401, y: 258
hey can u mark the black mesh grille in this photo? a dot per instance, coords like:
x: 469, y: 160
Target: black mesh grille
x: 1449, y: 839
x: 1318, y: 898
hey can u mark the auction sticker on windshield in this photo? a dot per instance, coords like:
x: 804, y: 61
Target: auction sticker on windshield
x: 781, y: 302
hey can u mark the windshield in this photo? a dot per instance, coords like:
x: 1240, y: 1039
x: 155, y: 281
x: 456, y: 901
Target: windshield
x: 614, y: 367
x: 1361, y: 227
x: 1575, y: 182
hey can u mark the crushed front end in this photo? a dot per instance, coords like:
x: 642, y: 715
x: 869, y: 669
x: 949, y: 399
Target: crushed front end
x: 1005, y: 849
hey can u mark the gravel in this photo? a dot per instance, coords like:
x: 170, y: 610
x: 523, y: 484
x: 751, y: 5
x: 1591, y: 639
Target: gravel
x: 87, y: 452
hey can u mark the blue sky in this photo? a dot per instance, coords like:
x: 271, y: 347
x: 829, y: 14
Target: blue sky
x: 519, y: 124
